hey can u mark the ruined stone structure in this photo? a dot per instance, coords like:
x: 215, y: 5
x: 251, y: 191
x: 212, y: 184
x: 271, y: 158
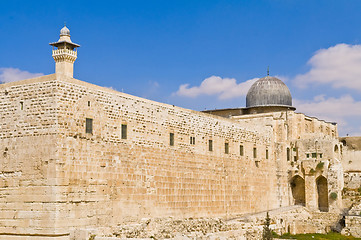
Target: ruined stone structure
x: 76, y: 156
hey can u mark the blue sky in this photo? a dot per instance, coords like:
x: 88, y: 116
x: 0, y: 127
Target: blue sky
x: 198, y: 54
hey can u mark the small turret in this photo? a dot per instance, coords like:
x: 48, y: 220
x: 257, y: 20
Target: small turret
x: 65, y: 53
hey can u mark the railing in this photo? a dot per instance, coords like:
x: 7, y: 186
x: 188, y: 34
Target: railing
x: 64, y: 51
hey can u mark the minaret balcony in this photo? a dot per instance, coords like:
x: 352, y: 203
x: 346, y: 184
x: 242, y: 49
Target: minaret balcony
x: 64, y: 51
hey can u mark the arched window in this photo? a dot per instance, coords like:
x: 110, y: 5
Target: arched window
x: 322, y: 193
x: 298, y: 190
x: 335, y: 149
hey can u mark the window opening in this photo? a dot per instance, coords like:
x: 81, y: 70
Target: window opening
x: 89, y: 125
x: 210, y: 145
x: 226, y: 148
x: 241, y: 150
x: 171, y: 139
x: 266, y: 153
x: 124, y: 131
x: 288, y: 154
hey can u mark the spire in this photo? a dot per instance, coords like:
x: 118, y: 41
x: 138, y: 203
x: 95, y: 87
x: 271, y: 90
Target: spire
x: 267, y: 70
x: 65, y: 53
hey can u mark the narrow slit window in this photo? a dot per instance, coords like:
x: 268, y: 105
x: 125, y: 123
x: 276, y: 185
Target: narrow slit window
x: 210, y: 145
x: 88, y: 103
x: 266, y: 153
x: 171, y: 139
x: 192, y: 140
x: 226, y: 148
x: 254, y: 152
x: 124, y: 131
x: 89, y: 125
x: 241, y: 150
x: 288, y: 154
x: 21, y: 105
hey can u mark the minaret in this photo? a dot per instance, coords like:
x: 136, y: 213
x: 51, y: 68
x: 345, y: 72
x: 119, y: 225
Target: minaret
x: 65, y: 54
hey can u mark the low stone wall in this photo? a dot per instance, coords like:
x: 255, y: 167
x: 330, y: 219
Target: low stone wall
x: 294, y: 219
x: 353, y: 226
x: 174, y: 228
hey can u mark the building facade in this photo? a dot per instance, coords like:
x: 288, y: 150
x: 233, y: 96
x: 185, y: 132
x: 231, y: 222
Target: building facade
x: 80, y: 156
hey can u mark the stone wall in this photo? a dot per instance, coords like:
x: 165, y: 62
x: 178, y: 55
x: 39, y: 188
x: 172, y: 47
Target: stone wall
x: 57, y: 178
x: 29, y: 199
x: 305, y: 147
x: 352, y: 228
x: 351, y: 154
x: 108, y: 179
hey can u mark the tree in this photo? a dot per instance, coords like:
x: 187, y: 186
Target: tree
x: 267, y: 232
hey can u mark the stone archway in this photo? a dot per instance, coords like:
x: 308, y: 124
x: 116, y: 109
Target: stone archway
x: 322, y: 193
x: 298, y: 190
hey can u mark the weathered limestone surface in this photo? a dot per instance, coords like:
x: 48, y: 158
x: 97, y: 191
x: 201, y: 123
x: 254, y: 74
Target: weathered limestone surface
x: 295, y: 219
x: 57, y: 181
x: 57, y: 178
x: 78, y: 159
x: 353, y: 224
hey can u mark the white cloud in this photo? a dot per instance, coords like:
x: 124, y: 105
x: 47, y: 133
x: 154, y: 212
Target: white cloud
x: 344, y: 106
x: 339, y: 66
x: 339, y: 110
x: 15, y: 74
x: 224, y: 88
x: 113, y: 88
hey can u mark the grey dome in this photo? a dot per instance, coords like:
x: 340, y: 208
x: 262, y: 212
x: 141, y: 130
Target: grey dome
x: 65, y: 31
x: 268, y: 91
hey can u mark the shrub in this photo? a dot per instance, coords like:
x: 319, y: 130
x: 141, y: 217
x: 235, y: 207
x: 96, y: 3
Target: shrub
x: 267, y: 233
x: 320, y: 165
x: 333, y: 196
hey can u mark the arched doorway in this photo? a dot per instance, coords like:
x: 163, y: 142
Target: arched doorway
x: 322, y: 193
x: 298, y: 190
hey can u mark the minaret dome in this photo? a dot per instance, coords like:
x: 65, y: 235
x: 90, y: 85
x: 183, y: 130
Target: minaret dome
x: 65, y: 31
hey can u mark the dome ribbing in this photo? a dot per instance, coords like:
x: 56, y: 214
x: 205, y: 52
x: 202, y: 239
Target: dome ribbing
x: 268, y: 91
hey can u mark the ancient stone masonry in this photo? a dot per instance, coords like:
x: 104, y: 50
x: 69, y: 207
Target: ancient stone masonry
x: 77, y: 158
x: 98, y: 179
x: 143, y: 175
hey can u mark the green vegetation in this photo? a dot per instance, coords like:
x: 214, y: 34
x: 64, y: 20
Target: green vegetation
x: 267, y: 233
x: 359, y: 189
x: 315, y: 236
x: 333, y: 196
x: 320, y: 165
